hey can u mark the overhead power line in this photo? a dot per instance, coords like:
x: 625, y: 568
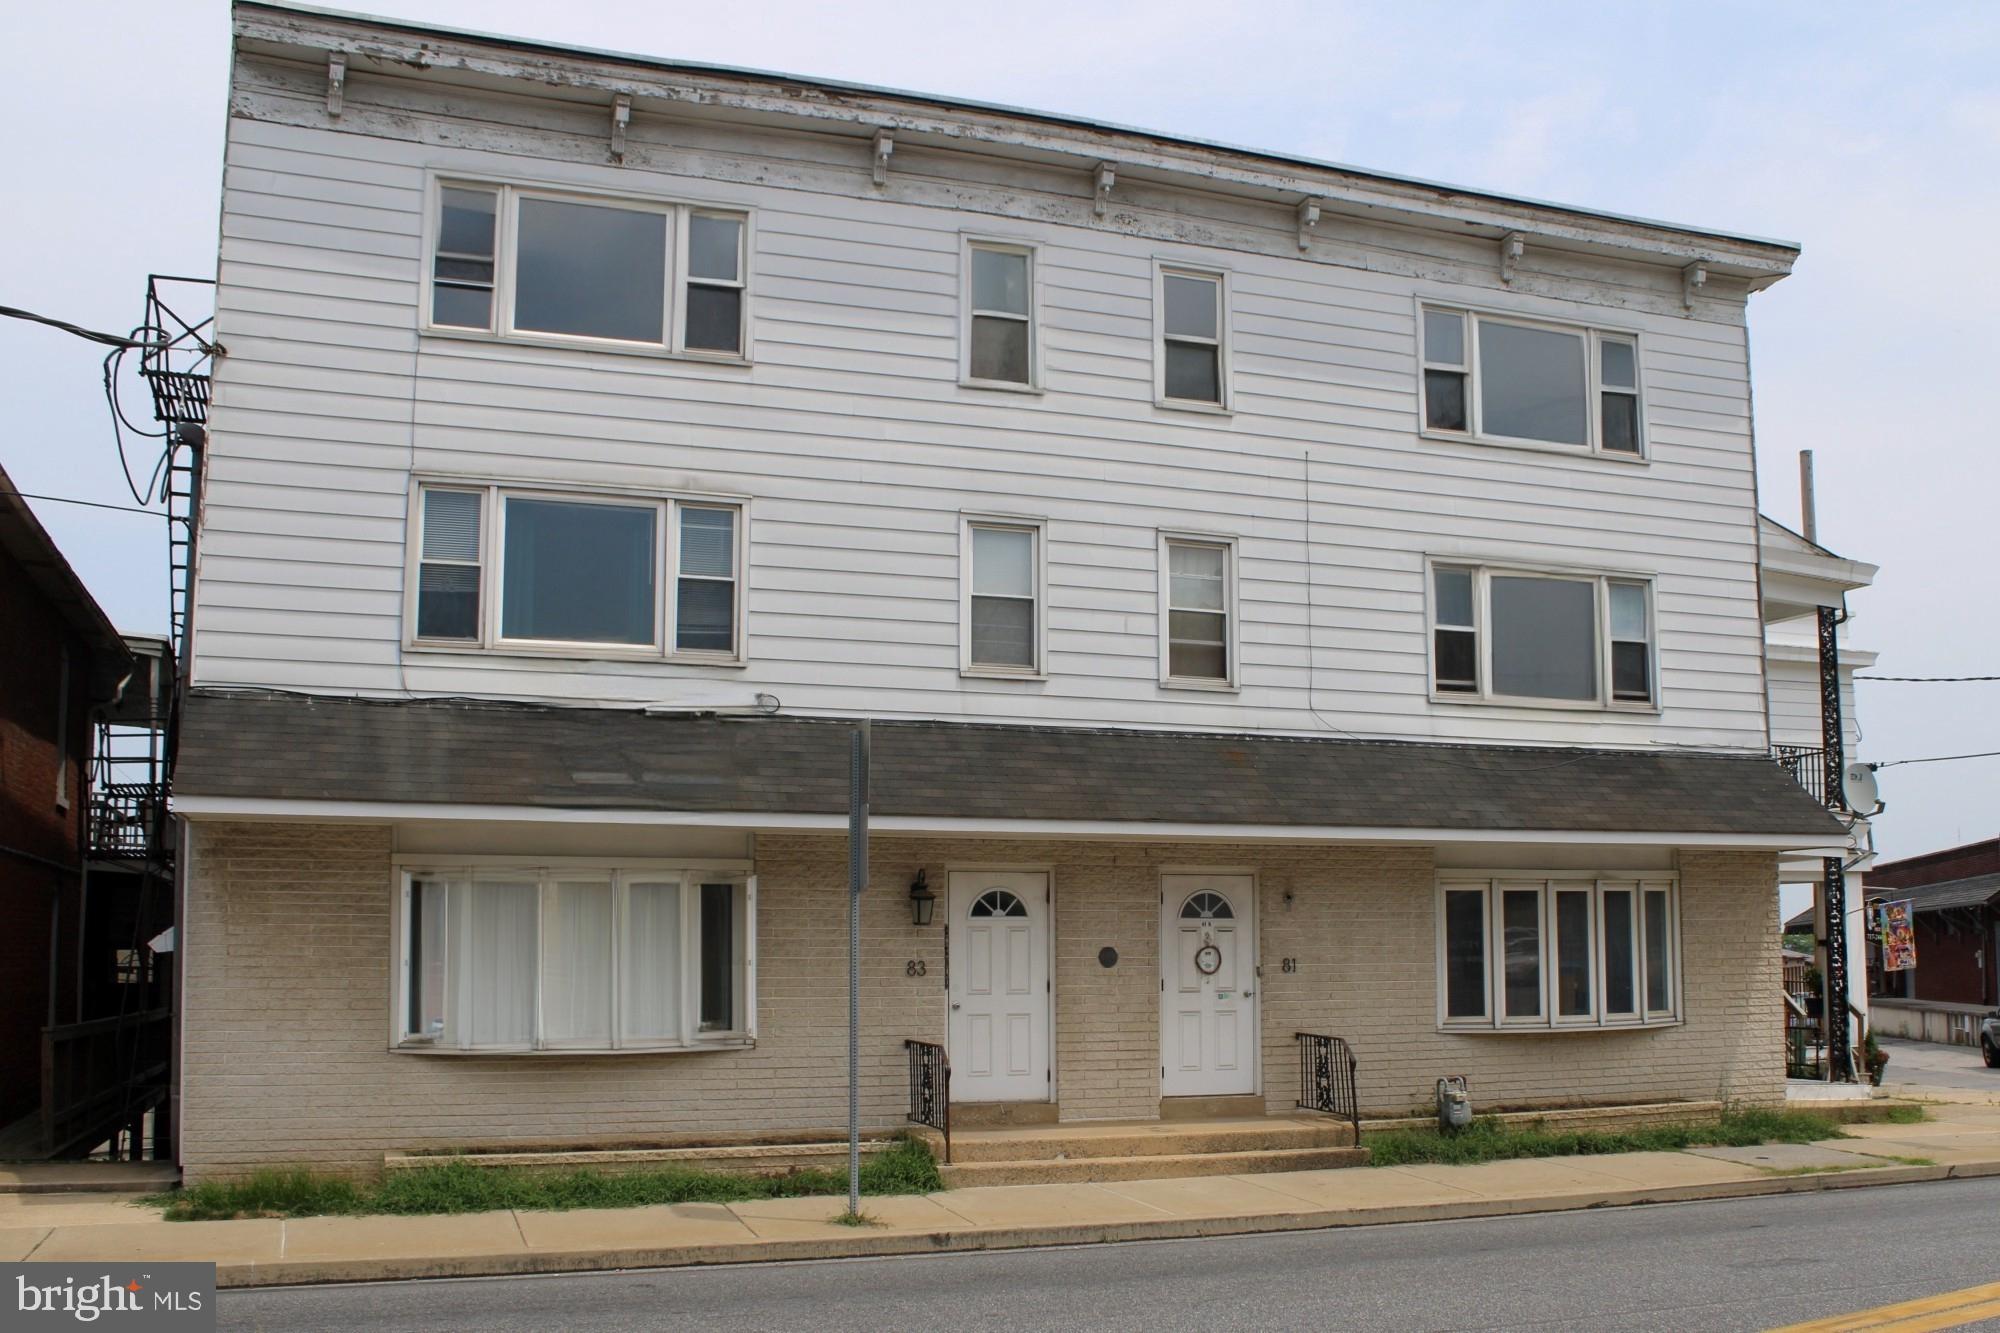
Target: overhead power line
x: 1930, y: 680
x: 108, y: 339
x: 1940, y: 759
x: 94, y: 504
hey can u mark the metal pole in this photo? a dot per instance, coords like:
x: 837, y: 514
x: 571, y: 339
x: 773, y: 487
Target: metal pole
x: 857, y: 879
x: 1808, y: 506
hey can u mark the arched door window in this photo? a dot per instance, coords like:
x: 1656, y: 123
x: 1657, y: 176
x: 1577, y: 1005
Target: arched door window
x: 997, y: 902
x: 1206, y: 906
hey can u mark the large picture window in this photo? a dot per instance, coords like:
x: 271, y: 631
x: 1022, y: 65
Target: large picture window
x: 1558, y: 953
x: 513, y: 261
x: 574, y: 958
x: 614, y: 572
x: 1507, y: 379
x: 1541, y: 637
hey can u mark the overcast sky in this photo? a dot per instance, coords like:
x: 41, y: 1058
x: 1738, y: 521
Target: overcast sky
x: 1869, y: 133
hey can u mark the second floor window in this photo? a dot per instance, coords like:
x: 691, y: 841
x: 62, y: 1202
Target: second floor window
x: 500, y: 567
x: 519, y: 262
x: 1003, y: 598
x: 1506, y: 379
x: 1199, y: 643
x: 1504, y: 635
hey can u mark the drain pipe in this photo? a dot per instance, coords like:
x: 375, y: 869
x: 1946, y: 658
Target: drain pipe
x: 857, y: 879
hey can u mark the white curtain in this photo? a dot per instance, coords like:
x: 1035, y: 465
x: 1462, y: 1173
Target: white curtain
x: 652, y: 972
x: 493, y: 931
x: 576, y: 963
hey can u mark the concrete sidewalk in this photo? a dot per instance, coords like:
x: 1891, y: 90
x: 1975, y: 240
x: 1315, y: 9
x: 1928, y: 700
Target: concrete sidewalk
x: 1960, y: 1140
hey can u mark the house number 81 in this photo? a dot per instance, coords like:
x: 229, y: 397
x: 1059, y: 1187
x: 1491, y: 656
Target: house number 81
x: 1288, y: 964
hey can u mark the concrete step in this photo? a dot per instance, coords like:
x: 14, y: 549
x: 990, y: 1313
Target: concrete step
x: 1146, y: 1139
x: 88, y: 1177
x: 754, y: 1159
x: 1151, y: 1167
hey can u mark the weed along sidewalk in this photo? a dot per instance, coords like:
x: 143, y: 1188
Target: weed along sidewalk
x: 453, y: 1219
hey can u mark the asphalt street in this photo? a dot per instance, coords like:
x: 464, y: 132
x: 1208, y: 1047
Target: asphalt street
x: 1732, y: 1264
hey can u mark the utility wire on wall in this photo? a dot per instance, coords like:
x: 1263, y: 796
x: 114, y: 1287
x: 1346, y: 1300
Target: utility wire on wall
x: 1939, y: 759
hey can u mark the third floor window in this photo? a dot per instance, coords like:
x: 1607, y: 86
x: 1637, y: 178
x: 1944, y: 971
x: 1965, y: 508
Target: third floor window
x: 542, y: 265
x: 1510, y: 380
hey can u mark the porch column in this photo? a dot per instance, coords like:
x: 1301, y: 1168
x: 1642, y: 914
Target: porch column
x: 1839, y: 1053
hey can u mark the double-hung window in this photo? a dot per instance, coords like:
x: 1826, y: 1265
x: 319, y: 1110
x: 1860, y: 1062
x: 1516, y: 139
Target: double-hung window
x: 1002, y: 586
x: 574, y: 957
x: 1197, y: 598
x: 1510, y: 380
x: 1578, y: 952
x: 1503, y: 635
x: 519, y: 262
x: 1193, y: 355
x: 508, y: 567
x: 1000, y: 332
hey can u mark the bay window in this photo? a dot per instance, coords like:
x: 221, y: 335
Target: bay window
x: 1534, y: 636
x: 574, y: 957
x: 557, y: 266
x: 1507, y: 379
x: 507, y: 567
x: 1571, y: 952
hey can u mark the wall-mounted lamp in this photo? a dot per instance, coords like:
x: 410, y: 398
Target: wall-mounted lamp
x: 922, y: 901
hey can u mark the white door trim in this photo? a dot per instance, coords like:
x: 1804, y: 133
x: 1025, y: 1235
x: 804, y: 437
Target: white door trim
x: 964, y: 885
x: 1242, y: 890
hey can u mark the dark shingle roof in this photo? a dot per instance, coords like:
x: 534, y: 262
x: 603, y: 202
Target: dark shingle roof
x: 1937, y: 897
x: 295, y: 747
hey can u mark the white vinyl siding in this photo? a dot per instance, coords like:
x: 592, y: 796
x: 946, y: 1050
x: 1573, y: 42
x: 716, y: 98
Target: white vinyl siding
x: 1557, y: 952
x: 573, y: 957
x: 862, y: 450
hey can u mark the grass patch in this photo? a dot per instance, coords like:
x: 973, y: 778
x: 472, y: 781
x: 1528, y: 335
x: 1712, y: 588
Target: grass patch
x: 1904, y: 1115
x: 1490, y: 1140
x: 456, y: 1186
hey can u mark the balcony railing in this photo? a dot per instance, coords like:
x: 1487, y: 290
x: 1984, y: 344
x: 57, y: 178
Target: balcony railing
x: 126, y: 819
x: 1806, y: 764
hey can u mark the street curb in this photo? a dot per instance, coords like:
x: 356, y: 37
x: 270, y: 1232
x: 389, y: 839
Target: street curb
x: 974, y: 1239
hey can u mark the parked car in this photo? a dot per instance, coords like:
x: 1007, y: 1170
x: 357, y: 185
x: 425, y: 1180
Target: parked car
x: 1989, y: 1040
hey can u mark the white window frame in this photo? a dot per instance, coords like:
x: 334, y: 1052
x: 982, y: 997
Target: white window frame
x: 969, y: 242
x: 1232, y: 636
x: 1547, y: 884
x: 1225, y: 340
x: 547, y: 870
x: 1038, y: 528
x: 1592, y: 337
x: 492, y: 550
x: 683, y: 230
x: 1482, y: 577
x: 506, y: 223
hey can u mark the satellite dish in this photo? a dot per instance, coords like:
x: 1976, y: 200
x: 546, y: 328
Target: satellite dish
x: 1858, y: 780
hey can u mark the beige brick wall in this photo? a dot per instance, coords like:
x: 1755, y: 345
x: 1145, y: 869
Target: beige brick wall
x: 288, y: 972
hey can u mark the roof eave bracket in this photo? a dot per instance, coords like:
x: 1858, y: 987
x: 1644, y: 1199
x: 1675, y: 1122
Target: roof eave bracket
x: 1308, y: 219
x: 336, y: 84
x: 879, y: 155
x: 1693, y: 278
x: 621, y: 117
x: 1512, y: 247
x: 1106, y: 177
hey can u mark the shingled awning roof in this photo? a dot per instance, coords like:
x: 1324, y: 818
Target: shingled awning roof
x: 295, y: 748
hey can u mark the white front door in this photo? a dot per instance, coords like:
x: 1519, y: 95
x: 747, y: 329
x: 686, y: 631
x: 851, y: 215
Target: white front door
x: 999, y: 1039
x: 1208, y: 991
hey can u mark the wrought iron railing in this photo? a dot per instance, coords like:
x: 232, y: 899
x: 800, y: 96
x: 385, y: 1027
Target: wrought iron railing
x: 1326, y: 1078
x: 1806, y: 764
x: 930, y: 1088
